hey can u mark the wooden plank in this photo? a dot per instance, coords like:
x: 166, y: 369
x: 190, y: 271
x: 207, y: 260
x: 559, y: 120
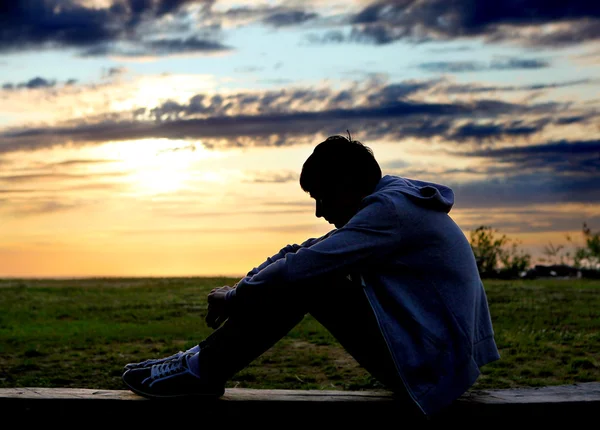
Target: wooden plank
x: 585, y: 392
x: 231, y: 395
x: 577, y: 402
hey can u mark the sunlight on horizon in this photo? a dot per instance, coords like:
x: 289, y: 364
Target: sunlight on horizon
x: 161, y: 165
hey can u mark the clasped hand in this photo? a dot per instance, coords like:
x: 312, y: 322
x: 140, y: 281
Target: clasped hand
x: 218, y: 307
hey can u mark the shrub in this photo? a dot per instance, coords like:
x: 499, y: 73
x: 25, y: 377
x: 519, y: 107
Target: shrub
x: 497, y: 255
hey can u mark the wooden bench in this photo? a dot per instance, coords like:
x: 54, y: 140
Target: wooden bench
x: 573, y: 403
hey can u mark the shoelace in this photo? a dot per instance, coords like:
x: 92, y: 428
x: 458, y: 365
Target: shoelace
x: 167, y: 368
x: 160, y: 360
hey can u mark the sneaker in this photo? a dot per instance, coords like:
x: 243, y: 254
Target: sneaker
x: 169, y: 379
x: 152, y: 361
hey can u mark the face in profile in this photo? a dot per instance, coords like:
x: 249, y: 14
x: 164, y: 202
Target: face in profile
x: 336, y: 207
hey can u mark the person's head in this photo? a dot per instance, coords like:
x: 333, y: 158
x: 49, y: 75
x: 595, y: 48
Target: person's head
x: 338, y: 175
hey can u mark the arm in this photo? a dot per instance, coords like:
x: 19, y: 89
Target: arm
x: 372, y: 233
x: 220, y: 300
x: 282, y: 253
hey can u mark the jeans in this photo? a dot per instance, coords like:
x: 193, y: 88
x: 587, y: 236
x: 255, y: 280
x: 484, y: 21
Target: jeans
x: 339, y: 304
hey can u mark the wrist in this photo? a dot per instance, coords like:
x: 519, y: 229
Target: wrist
x: 230, y: 295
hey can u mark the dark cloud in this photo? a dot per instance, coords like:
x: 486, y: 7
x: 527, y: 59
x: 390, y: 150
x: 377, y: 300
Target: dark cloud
x: 386, y: 21
x: 474, y: 66
x: 40, y: 207
x: 79, y: 162
x: 452, y: 66
x: 278, y: 117
x: 35, y: 83
x: 17, y: 191
x: 113, y: 71
x: 32, y: 24
x: 496, y: 131
x: 474, y: 88
x: 551, y: 173
x: 289, y: 18
x: 527, y: 190
x: 576, y: 158
x: 224, y: 126
x: 35, y: 177
x: 158, y: 48
x: 399, y: 91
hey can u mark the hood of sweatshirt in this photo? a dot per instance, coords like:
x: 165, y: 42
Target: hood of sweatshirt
x: 428, y: 194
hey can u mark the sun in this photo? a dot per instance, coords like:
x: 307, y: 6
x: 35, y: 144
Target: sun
x: 157, y: 166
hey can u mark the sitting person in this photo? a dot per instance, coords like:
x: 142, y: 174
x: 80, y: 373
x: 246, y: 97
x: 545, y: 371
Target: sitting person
x: 395, y: 282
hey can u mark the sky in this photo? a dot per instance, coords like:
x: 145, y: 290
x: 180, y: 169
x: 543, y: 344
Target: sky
x: 166, y: 138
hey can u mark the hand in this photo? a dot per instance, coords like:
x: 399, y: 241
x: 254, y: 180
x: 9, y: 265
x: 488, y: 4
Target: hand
x: 218, y: 307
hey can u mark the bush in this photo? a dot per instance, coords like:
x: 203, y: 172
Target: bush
x: 588, y: 257
x: 498, y: 256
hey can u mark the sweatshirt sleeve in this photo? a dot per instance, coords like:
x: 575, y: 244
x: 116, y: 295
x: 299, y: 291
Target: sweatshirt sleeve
x: 373, y: 232
x: 282, y: 253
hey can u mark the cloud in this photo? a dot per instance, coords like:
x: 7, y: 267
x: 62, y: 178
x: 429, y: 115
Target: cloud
x: 36, y: 177
x: 34, y: 84
x: 509, y: 180
x: 159, y: 48
x: 17, y: 191
x: 494, y: 131
x: 79, y: 162
x: 113, y: 71
x: 527, y: 190
x: 289, y: 18
x: 474, y: 66
x: 273, y: 177
x: 553, y: 173
x: 99, y: 30
x: 284, y: 117
x: 191, y: 148
x: 475, y: 88
x: 573, y: 157
x: 526, y: 22
x: 40, y: 207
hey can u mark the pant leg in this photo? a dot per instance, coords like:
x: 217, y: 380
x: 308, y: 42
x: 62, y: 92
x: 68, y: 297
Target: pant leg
x: 344, y: 310
x: 340, y: 305
x: 249, y: 332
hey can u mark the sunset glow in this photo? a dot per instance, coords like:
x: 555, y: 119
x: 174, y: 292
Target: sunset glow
x: 167, y: 139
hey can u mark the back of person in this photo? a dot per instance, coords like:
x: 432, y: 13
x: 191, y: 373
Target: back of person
x: 427, y: 292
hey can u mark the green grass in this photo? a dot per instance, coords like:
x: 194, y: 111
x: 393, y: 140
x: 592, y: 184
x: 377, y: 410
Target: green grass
x: 80, y: 333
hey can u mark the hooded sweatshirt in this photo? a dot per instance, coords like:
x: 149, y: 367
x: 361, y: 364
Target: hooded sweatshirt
x: 420, y: 277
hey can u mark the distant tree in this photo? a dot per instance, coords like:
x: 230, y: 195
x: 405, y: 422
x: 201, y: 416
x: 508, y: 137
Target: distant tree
x: 497, y: 255
x: 588, y: 257
x: 486, y: 248
x: 557, y: 255
x: 514, y: 260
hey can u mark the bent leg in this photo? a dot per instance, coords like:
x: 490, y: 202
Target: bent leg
x: 340, y: 305
x: 247, y: 334
x: 344, y: 310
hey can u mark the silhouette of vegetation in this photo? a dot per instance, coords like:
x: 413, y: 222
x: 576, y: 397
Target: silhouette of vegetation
x: 588, y: 257
x: 498, y: 256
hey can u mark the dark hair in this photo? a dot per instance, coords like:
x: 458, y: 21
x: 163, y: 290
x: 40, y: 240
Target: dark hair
x: 340, y: 162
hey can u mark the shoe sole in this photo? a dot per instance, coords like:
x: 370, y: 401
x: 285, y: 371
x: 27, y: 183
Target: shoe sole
x: 172, y: 396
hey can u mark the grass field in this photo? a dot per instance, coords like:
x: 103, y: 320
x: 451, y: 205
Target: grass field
x: 80, y: 333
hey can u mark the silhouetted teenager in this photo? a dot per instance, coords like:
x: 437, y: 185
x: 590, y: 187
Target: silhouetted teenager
x: 395, y: 282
